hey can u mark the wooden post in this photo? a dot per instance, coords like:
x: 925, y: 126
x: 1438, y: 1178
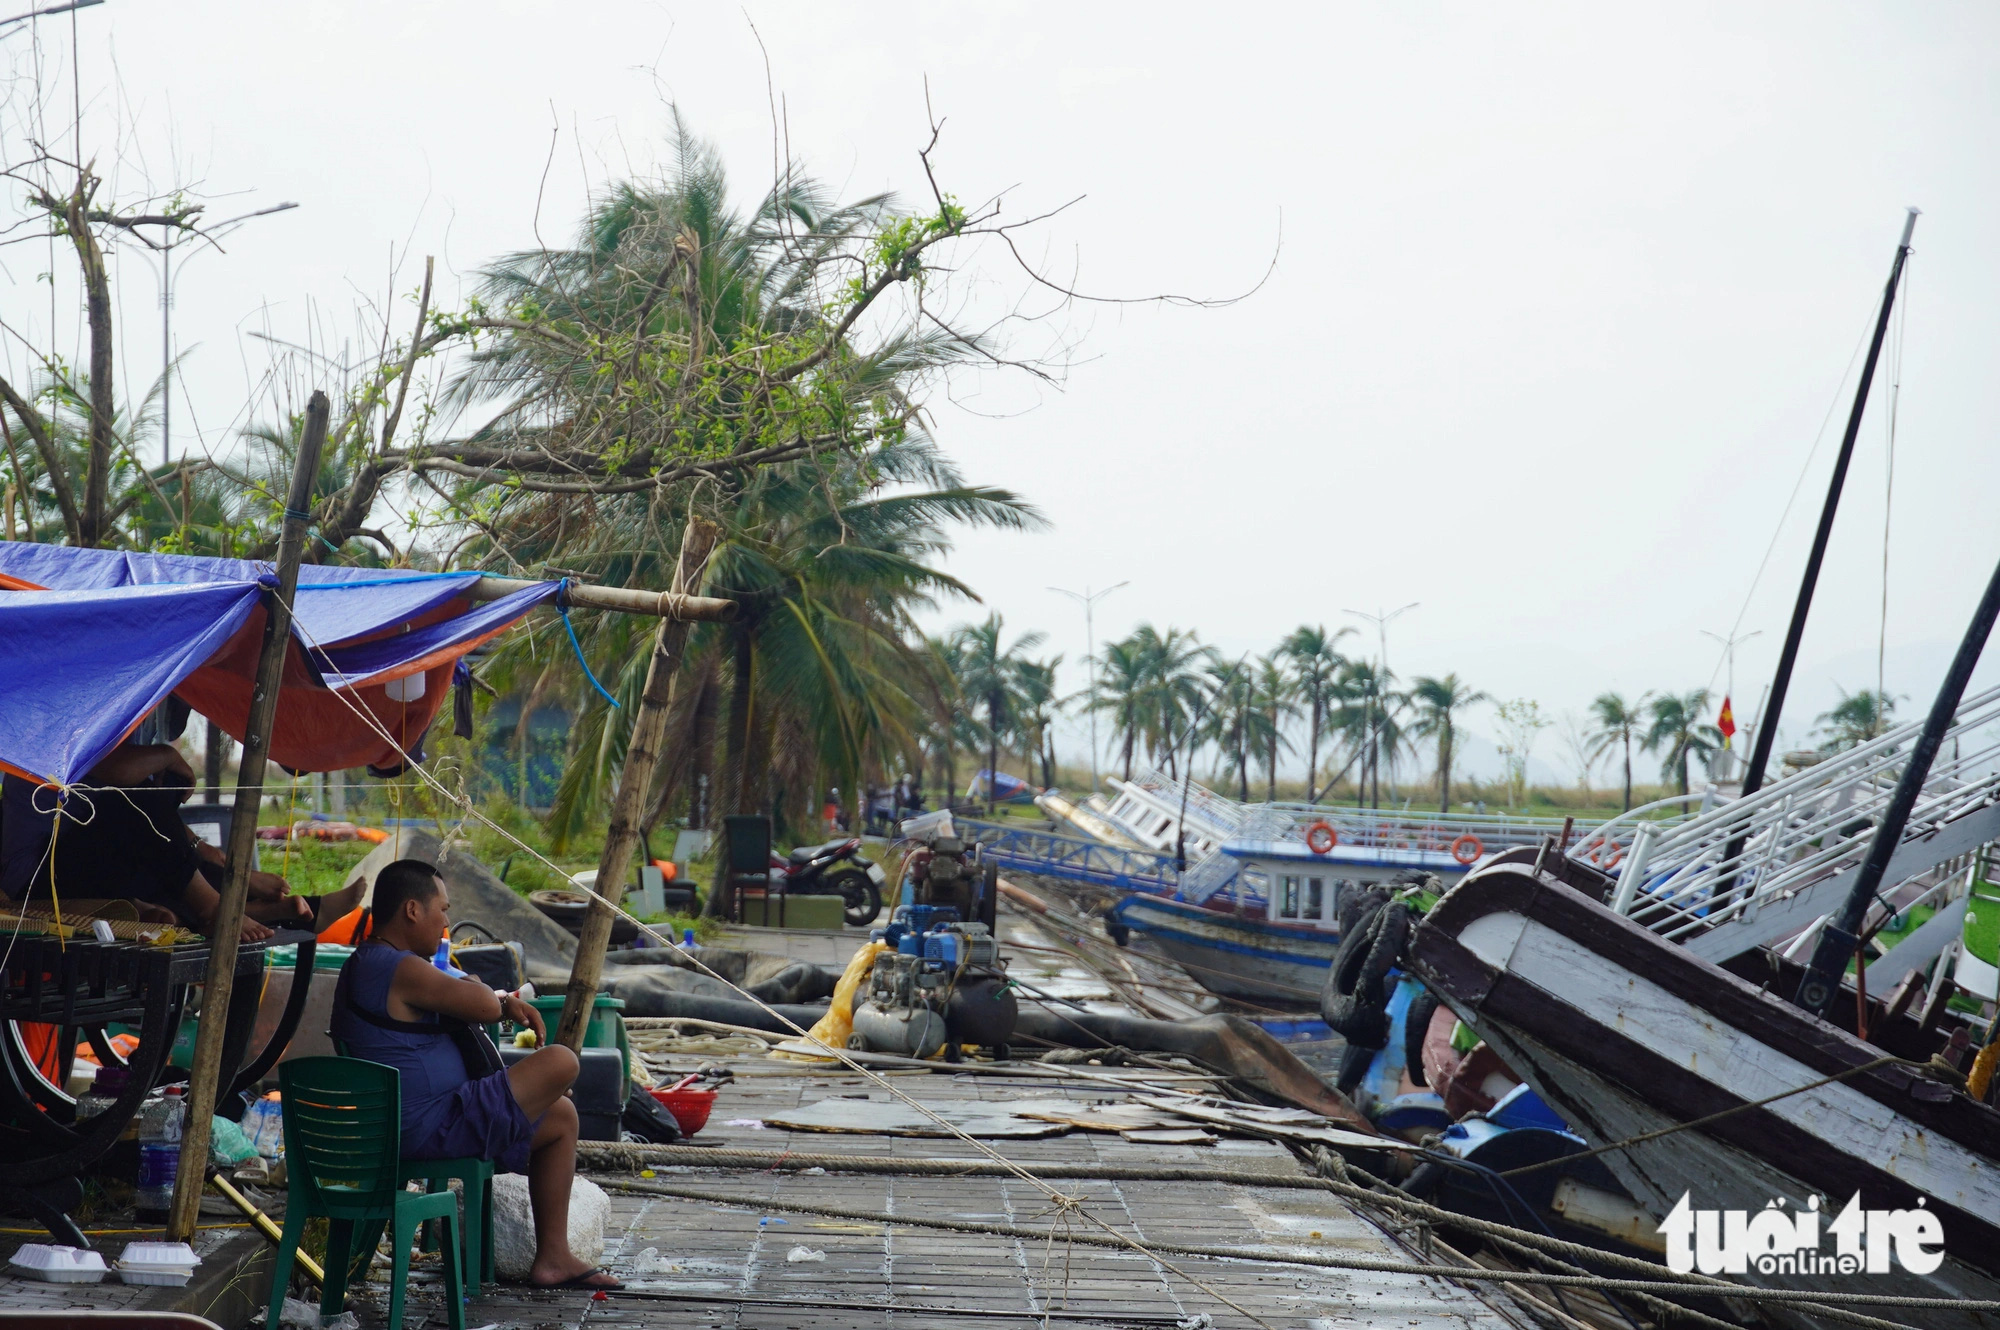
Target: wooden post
x: 204, y: 1075
x: 628, y: 808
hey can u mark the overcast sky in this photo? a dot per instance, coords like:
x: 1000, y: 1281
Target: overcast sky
x: 1562, y: 295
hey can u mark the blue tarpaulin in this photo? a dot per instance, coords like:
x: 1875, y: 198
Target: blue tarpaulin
x: 92, y: 640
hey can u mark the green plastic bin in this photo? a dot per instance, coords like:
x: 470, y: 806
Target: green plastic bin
x: 606, y: 1028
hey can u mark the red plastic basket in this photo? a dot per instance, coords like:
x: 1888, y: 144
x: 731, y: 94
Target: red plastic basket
x: 689, y: 1107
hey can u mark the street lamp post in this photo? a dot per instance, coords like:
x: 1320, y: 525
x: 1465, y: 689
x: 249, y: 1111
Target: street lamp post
x: 1088, y: 599
x: 1381, y: 619
x: 174, y: 235
x: 48, y: 11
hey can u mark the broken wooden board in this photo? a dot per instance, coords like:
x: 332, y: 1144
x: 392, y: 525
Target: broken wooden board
x: 1094, y: 1117
x: 882, y: 1117
x: 1290, y: 1124
x: 1170, y: 1136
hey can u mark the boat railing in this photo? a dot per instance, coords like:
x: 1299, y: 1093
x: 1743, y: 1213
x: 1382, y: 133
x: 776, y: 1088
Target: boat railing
x: 1399, y: 829
x: 1795, y: 833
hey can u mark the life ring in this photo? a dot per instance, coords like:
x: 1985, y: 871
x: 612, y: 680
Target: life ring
x: 1467, y: 848
x: 1321, y: 837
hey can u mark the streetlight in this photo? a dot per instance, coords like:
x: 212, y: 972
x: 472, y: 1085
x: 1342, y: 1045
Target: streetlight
x: 1381, y: 619
x: 52, y: 9
x: 174, y: 235
x: 1088, y: 599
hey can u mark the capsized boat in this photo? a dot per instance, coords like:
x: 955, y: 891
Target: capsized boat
x: 1254, y: 920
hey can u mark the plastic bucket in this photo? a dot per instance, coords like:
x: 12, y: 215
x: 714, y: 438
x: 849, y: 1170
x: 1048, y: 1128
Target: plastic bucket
x: 689, y: 1107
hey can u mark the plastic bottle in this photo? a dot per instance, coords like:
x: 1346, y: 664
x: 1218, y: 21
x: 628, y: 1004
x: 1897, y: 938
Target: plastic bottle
x: 443, y: 959
x: 264, y: 1124
x: 687, y: 940
x: 159, y: 1151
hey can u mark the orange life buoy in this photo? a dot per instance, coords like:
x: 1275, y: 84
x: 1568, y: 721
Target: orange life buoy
x: 1321, y: 837
x: 1467, y: 848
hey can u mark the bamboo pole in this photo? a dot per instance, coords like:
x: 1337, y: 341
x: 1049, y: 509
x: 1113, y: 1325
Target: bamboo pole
x: 674, y: 604
x: 642, y: 755
x: 224, y: 931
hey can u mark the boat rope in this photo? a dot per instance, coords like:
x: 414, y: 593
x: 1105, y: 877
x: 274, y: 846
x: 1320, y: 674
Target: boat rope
x: 1479, y: 1274
x: 1643, y: 1137
x: 1066, y: 1207
x: 624, y: 1155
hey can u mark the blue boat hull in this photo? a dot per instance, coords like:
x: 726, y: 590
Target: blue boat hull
x: 1256, y: 960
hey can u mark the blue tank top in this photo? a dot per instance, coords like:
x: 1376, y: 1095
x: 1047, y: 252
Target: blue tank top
x: 430, y: 1064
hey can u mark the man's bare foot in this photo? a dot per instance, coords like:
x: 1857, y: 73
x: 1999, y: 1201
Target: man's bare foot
x: 336, y: 904
x: 567, y: 1271
x: 267, y: 886
x: 252, y: 930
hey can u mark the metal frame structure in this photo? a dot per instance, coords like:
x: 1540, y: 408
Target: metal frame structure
x: 1769, y: 866
x: 1049, y: 854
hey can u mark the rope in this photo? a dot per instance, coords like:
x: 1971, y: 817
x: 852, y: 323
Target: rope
x: 1712, y: 1117
x: 1480, y: 1274
x: 562, y: 609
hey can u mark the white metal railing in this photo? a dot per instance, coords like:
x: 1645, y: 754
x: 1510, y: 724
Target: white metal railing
x: 1409, y: 829
x: 1799, y: 832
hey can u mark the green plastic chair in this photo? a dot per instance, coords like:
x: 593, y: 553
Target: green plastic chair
x: 476, y: 1221
x: 343, y: 1131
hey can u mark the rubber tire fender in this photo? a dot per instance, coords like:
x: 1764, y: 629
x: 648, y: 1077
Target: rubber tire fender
x: 1416, y: 1025
x: 1356, y: 999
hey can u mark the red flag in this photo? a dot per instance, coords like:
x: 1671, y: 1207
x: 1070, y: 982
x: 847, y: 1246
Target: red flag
x: 1726, y: 722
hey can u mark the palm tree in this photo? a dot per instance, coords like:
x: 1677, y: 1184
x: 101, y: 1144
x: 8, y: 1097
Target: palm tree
x: 1230, y: 718
x: 1121, y: 690
x: 1035, y: 693
x: 1274, y: 701
x: 1618, y: 722
x: 1859, y: 717
x: 991, y: 672
x: 750, y: 279
x: 1437, y: 702
x: 1170, y: 668
x: 1315, y: 668
x: 822, y: 673
x: 1677, y: 727
x: 1367, y: 717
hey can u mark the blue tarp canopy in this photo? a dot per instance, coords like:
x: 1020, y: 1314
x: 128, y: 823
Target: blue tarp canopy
x: 93, y: 640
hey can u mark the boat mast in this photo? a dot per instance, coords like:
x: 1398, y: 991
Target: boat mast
x: 1840, y: 938
x: 1767, y: 730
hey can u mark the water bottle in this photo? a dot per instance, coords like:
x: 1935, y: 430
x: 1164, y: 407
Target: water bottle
x: 264, y: 1124
x: 687, y: 940
x: 443, y: 959
x: 159, y: 1152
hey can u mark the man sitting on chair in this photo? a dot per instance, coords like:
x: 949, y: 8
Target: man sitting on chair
x: 519, y: 1118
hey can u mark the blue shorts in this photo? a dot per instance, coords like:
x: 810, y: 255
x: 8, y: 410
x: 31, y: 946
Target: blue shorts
x: 484, y: 1121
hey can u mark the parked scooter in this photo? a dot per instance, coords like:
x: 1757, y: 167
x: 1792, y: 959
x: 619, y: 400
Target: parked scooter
x: 835, y: 868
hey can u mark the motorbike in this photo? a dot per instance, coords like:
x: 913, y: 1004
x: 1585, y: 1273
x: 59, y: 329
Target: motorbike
x: 835, y: 868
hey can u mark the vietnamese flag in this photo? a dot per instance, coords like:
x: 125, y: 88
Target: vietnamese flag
x: 1726, y: 722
